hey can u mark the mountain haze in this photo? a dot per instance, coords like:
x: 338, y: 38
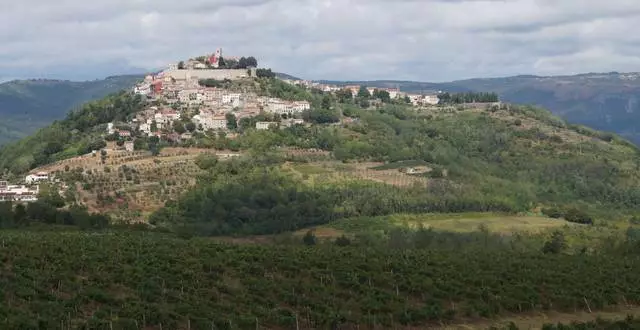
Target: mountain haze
x: 26, y: 105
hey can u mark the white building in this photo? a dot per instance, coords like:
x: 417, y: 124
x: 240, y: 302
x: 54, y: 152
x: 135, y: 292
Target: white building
x: 291, y: 122
x: 300, y: 106
x: 142, y: 89
x: 209, y: 121
x: 231, y: 98
x: 38, y: 177
x: 167, y: 116
x: 277, y: 106
x: 110, y: 129
x: 145, y: 128
x: 18, y: 193
x: 431, y: 99
x: 262, y: 125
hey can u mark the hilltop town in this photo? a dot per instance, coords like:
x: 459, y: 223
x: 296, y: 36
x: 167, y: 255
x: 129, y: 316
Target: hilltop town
x: 201, y: 94
x: 211, y: 96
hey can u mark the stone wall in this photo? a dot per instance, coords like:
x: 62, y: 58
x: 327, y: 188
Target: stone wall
x: 218, y: 74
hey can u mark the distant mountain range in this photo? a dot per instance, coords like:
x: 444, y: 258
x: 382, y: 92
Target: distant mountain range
x: 605, y: 101
x: 26, y: 105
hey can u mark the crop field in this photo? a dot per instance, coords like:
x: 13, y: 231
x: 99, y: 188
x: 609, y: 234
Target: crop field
x: 457, y: 223
x: 335, y: 171
x: 117, y: 280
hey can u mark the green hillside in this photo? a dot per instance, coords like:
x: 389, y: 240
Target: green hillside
x: 515, y: 160
x: 27, y: 105
x: 78, y: 134
x: 605, y: 101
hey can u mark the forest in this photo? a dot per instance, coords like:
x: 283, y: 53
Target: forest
x: 253, y: 196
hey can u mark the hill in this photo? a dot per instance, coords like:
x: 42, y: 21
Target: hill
x: 463, y: 158
x: 607, y: 101
x: 367, y: 215
x: 27, y: 105
x: 505, y: 160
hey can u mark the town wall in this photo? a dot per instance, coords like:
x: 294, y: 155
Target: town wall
x: 218, y: 74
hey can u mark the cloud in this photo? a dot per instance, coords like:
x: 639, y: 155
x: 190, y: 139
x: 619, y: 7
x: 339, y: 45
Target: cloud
x: 323, y: 39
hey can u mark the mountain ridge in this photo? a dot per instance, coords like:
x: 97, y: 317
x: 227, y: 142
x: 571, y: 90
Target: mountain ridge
x: 29, y: 104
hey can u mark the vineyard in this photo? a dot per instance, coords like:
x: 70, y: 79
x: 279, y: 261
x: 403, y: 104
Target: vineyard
x: 117, y: 280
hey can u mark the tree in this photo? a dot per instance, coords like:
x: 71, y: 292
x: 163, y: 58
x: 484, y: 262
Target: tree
x: 154, y: 126
x: 310, y: 238
x: 344, y: 95
x: 178, y: 127
x: 190, y: 126
x: 343, y: 241
x: 252, y: 62
x: 364, y: 92
x: 181, y: 65
x: 232, y: 123
x: 326, y: 102
x: 382, y: 95
x: 556, y: 244
x: 120, y: 143
x: 265, y: 73
x: 407, y: 100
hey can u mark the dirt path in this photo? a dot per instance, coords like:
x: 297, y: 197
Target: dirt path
x: 538, y: 320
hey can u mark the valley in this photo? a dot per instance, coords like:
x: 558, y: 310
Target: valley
x: 224, y: 197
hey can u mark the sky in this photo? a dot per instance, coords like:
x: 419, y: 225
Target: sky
x: 422, y: 40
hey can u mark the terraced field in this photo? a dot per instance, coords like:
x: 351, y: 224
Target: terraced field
x: 130, y: 185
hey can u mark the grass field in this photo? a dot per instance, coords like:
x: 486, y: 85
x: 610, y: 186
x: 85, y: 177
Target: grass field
x: 463, y: 222
x: 538, y: 320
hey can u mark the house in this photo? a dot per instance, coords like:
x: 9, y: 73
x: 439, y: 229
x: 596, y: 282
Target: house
x: 291, y: 122
x: 186, y: 136
x: 145, y: 128
x: 122, y: 133
x: 431, y: 99
x: 142, y: 89
x: 277, y: 106
x: 110, y: 129
x: 231, y: 98
x: 209, y: 121
x: 262, y: 125
x: 128, y: 146
x: 300, y: 106
x: 10, y: 193
x: 353, y: 88
x: 394, y: 93
x: 37, y: 177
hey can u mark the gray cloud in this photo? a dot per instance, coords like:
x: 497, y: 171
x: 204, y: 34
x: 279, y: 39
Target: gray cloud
x: 323, y: 39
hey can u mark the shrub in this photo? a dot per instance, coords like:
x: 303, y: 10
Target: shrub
x: 553, y: 212
x: 578, y: 216
x: 343, y: 241
x: 310, y: 238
